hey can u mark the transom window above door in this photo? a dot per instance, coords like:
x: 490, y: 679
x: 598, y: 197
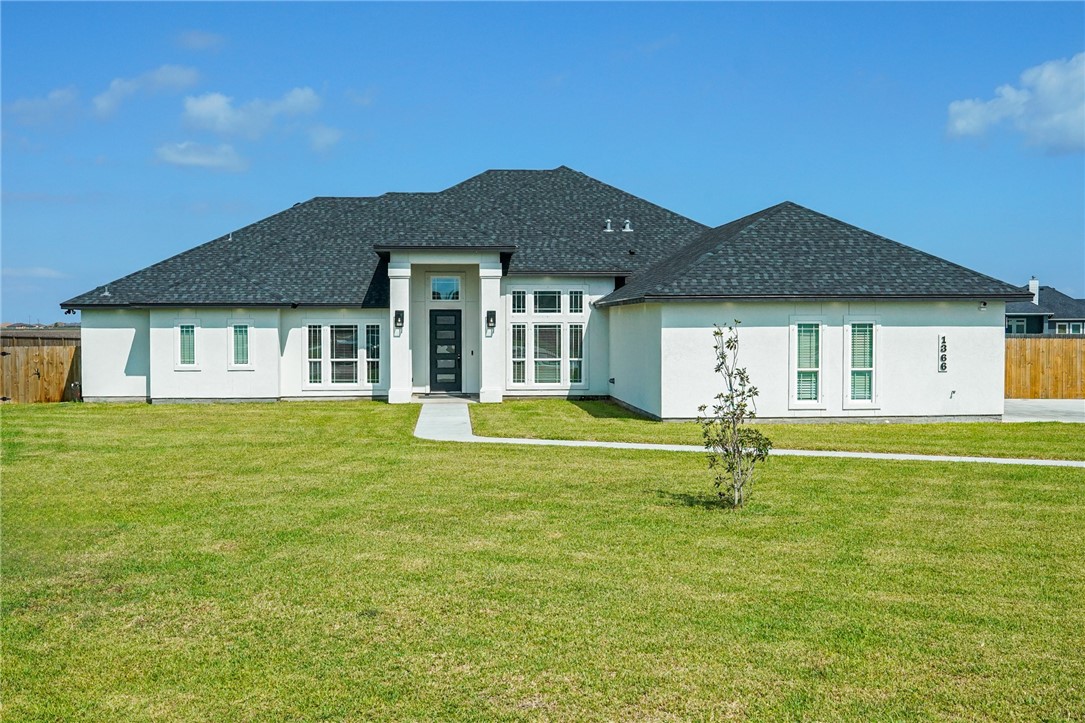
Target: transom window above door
x: 444, y: 288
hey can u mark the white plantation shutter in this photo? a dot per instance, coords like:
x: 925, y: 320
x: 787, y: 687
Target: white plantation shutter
x: 188, y: 344
x: 241, y: 344
x: 807, y: 361
x: 862, y: 362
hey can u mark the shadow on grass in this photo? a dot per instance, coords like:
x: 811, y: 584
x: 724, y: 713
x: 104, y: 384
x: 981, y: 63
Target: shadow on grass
x: 700, y: 499
x: 604, y: 409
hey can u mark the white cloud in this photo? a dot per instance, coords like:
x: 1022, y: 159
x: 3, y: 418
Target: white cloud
x: 364, y: 98
x: 39, y: 111
x: 164, y: 78
x: 200, y: 40
x: 197, y: 155
x: 35, y: 272
x: 1048, y: 108
x: 216, y: 112
x: 322, y: 138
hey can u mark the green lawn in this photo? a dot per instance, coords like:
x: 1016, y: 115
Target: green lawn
x: 606, y: 421
x: 309, y: 561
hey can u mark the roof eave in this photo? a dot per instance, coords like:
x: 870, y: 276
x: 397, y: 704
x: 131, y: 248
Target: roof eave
x: 386, y: 248
x: 223, y: 304
x: 659, y: 298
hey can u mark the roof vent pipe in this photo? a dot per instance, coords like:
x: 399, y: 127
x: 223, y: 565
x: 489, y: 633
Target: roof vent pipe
x: 609, y: 227
x: 627, y: 226
x: 1034, y: 289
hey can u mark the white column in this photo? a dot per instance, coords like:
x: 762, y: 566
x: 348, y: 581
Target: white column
x: 492, y: 342
x: 399, y: 353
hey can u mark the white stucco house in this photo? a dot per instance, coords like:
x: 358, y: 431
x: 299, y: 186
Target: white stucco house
x: 520, y: 283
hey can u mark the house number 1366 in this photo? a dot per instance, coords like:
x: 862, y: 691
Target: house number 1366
x: 942, y: 353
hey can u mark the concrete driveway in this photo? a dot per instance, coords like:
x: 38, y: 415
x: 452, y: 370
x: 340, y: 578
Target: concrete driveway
x: 1044, y: 410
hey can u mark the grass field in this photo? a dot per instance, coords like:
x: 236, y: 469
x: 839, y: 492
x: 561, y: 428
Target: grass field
x: 606, y: 421
x: 314, y: 561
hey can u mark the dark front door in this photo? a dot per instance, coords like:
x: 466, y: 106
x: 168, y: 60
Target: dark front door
x: 445, y: 351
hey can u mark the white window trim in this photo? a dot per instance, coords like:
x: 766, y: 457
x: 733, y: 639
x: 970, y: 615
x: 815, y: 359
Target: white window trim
x: 873, y: 402
x: 230, y: 365
x: 326, y: 382
x: 1077, y: 324
x: 583, y: 301
x: 445, y: 303
x: 562, y: 303
x: 562, y: 358
x: 363, y: 352
x: 530, y: 319
x: 196, y: 344
x: 793, y: 401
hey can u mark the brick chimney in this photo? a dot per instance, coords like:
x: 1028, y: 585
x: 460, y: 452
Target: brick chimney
x: 1034, y: 289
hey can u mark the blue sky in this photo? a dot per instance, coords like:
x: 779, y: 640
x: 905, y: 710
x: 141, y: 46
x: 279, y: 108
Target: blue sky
x: 132, y: 132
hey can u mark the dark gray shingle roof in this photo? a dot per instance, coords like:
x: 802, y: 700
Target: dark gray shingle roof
x: 327, y: 251
x: 787, y: 251
x: 324, y: 252
x: 1053, y: 303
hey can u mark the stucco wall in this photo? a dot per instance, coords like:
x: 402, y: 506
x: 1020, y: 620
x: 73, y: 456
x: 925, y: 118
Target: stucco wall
x: 636, y: 360
x: 212, y: 376
x: 115, y: 354
x: 293, y: 371
x: 907, y: 380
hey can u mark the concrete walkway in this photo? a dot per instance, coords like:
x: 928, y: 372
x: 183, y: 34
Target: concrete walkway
x: 1044, y: 410
x: 451, y: 422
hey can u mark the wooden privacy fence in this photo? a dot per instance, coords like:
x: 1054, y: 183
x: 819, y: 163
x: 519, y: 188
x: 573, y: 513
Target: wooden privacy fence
x: 39, y: 373
x: 1045, y: 367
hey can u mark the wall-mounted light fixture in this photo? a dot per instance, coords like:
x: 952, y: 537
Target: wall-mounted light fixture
x: 398, y: 319
x: 491, y: 319
x: 983, y: 306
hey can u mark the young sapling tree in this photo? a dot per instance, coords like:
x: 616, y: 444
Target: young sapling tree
x: 733, y: 447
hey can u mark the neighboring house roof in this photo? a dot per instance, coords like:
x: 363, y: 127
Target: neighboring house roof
x: 788, y: 251
x: 1026, y: 308
x: 334, y: 251
x: 1058, y: 305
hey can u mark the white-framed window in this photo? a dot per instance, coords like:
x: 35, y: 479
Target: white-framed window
x: 444, y: 288
x: 342, y: 354
x: 547, y: 302
x: 1015, y: 325
x: 372, y: 353
x: 576, y: 353
x: 547, y: 353
x: 861, y: 355
x: 1075, y: 327
x: 807, y: 380
x: 239, y: 347
x: 519, y: 353
x: 186, y: 356
x: 547, y: 337
x: 808, y: 362
x: 314, y: 338
x: 1062, y: 327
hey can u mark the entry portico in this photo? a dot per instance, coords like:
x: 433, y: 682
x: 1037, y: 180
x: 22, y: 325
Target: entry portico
x: 439, y: 302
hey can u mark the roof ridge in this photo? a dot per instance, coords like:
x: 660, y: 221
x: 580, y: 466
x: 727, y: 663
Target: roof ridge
x: 631, y: 195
